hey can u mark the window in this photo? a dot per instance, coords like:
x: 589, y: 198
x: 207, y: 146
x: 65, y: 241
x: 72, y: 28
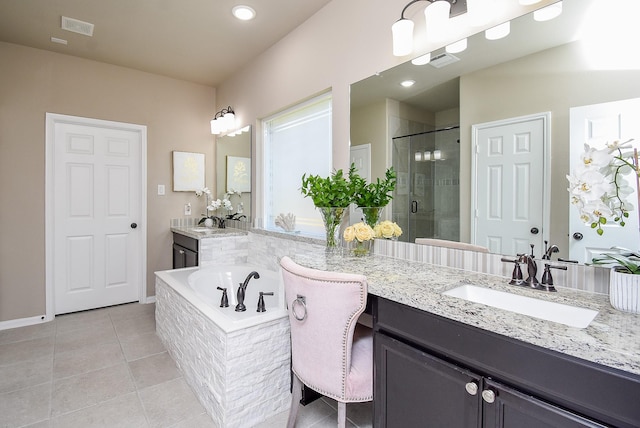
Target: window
x: 296, y: 142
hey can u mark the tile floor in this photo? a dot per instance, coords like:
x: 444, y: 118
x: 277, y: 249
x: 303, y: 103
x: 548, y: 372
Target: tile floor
x: 107, y: 368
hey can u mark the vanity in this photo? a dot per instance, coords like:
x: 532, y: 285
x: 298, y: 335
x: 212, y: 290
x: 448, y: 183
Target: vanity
x: 445, y: 361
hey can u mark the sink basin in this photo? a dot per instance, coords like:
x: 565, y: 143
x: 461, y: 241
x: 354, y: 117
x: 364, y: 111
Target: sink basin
x: 549, y: 311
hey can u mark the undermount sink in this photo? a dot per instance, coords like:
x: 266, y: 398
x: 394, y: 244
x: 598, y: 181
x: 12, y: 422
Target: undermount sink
x: 557, y: 312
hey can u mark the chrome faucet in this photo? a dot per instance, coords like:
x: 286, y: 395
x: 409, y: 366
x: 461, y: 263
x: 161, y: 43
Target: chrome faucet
x: 242, y: 288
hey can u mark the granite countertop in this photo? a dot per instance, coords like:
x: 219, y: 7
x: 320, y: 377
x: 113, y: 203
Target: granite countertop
x: 197, y: 232
x: 612, y: 339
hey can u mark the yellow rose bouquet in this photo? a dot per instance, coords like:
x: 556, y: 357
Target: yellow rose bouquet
x: 387, y: 229
x: 359, y: 236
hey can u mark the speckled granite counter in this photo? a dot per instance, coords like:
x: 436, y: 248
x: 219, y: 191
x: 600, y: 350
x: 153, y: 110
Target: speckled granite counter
x: 612, y: 339
x: 196, y: 232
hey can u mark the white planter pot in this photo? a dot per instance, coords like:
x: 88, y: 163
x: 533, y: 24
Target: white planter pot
x: 624, y: 291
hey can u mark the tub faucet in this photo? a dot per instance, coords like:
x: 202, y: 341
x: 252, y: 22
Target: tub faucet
x: 242, y: 288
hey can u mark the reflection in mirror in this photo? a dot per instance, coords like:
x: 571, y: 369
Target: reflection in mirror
x: 238, y: 146
x: 540, y: 67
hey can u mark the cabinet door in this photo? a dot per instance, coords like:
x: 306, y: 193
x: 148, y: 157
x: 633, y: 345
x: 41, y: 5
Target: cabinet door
x: 179, y: 258
x: 506, y: 407
x: 415, y: 389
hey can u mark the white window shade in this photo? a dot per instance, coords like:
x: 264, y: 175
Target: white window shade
x: 296, y: 142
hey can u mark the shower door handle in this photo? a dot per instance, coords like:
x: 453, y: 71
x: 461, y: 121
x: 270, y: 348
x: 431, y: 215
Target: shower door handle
x: 414, y: 207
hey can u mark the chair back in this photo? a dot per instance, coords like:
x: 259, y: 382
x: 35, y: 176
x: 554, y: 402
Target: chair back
x: 323, y: 311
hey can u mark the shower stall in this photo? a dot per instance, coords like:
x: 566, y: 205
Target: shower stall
x: 426, y: 201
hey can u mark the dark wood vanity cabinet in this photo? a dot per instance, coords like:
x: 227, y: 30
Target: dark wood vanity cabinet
x: 185, y: 251
x: 435, y: 372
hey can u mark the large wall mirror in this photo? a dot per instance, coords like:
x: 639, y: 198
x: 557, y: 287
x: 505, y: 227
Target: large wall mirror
x: 233, y: 169
x: 542, y: 69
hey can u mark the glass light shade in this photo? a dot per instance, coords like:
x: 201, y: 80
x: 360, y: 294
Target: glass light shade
x: 499, y: 31
x: 215, y: 128
x: 402, y: 31
x: 437, y: 17
x: 418, y: 156
x: 528, y: 2
x: 437, y: 154
x: 456, y: 47
x: 479, y: 11
x: 548, y: 13
x: 229, y: 120
x: 422, y: 60
x: 427, y: 155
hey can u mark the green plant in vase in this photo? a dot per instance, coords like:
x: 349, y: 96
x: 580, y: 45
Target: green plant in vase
x: 372, y: 197
x: 332, y: 196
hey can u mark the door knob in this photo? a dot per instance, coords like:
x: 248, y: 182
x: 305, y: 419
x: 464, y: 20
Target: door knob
x: 534, y: 230
x: 134, y: 225
x: 414, y: 206
x: 489, y: 396
x: 578, y: 236
x: 472, y: 388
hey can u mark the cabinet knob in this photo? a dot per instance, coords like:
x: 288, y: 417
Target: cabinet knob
x: 489, y: 396
x: 472, y: 388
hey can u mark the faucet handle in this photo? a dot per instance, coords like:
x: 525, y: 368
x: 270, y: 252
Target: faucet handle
x: 261, y: 307
x: 546, y: 283
x: 516, y: 275
x: 224, y: 302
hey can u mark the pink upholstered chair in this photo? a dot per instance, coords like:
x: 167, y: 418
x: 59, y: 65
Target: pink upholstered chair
x: 331, y: 353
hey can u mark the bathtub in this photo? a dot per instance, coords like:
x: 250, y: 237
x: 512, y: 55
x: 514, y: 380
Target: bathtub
x: 237, y: 363
x: 199, y: 287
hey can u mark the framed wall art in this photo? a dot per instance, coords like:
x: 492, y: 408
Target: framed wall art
x: 188, y: 171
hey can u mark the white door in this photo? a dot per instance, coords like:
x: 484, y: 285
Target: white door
x: 97, y: 256
x: 595, y: 125
x: 361, y: 157
x: 509, y: 172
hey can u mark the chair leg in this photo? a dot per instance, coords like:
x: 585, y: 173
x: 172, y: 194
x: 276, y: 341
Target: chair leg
x: 296, y: 396
x: 342, y: 415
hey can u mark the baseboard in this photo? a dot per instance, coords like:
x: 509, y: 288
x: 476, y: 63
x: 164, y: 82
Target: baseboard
x: 23, y: 322
x: 149, y: 299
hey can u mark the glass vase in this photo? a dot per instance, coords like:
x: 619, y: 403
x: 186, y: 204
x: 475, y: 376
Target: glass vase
x: 360, y: 249
x: 332, y: 218
x: 371, y: 215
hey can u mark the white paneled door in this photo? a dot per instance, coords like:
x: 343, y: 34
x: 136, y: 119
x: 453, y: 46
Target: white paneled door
x: 97, y: 207
x: 360, y: 156
x: 510, y: 185
x: 596, y: 125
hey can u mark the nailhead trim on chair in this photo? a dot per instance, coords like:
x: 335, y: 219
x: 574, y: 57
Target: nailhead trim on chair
x: 344, y: 341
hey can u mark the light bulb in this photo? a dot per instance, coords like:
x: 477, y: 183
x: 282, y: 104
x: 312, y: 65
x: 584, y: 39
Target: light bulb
x: 402, y: 32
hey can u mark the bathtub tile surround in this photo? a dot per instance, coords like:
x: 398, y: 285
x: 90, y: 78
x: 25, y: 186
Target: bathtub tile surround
x: 242, y: 377
x: 223, y: 250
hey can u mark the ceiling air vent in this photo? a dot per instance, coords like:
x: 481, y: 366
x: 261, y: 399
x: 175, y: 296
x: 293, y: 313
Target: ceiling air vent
x: 77, y: 26
x: 443, y: 59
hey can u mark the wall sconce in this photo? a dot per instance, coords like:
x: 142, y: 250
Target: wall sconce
x: 223, y: 120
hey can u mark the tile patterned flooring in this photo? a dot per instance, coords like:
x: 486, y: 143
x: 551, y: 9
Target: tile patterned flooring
x: 107, y: 368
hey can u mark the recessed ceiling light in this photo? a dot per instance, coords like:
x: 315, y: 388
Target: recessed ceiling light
x: 408, y: 83
x: 244, y: 13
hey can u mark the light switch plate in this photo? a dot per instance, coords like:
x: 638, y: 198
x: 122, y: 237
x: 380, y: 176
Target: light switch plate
x: 187, y: 209
x: 160, y: 189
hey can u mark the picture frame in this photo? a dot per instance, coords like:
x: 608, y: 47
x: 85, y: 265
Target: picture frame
x: 188, y: 171
x: 238, y: 174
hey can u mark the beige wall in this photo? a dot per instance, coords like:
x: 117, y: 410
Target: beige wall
x: 33, y: 82
x: 346, y: 41
x: 554, y: 80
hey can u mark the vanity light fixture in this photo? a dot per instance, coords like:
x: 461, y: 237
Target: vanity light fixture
x: 528, y: 2
x: 223, y: 120
x: 243, y: 13
x: 437, y: 14
x: 418, y: 156
x: 427, y: 155
x: 422, y: 60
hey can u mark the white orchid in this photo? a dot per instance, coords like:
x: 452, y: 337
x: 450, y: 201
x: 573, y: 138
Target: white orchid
x: 204, y: 191
x: 598, y: 188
